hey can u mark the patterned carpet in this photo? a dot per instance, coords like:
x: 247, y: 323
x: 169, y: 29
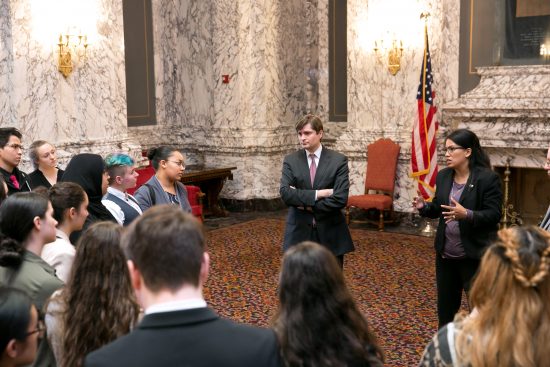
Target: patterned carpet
x: 390, y: 275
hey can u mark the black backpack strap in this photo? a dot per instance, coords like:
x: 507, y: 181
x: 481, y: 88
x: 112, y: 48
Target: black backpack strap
x: 151, y: 193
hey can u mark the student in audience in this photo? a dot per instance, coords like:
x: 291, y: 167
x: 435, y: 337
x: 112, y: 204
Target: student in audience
x: 44, y: 160
x: 510, y: 326
x: 20, y: 328
x: 545, y: 224
x: 26, y: 224
x: 88, y: 170
x: 165, y: 186
x: 318, y: 323
x: 98, y: 304
x: 468, y: 203
x: 168, y: 266
x: 11, y: 151
x: 122, y: 176
x: 70, y: 210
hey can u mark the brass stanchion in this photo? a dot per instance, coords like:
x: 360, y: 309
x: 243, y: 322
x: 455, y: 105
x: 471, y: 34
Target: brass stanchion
x: 509, y: 216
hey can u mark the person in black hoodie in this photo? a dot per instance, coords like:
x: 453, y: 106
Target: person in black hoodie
x: 88, y: 170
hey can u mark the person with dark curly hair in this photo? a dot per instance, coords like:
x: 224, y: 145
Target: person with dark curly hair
x: 19, y: 326
x: 510, y: 324
x: 317, y: 322
x: 26, y: 225
x: 98, y: 305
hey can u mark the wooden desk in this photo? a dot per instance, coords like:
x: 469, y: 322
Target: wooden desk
x: 210, y: 180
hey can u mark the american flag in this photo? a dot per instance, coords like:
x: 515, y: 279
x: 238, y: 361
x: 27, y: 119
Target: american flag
x: 424, y: 153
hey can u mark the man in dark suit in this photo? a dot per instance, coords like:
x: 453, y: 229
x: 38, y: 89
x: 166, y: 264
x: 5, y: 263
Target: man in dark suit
x: 168, y: 267
x: 315, y: 186
x: 545, y: 224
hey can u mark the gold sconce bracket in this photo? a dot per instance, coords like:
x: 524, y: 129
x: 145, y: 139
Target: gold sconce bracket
x: 71, y: 48
x: 393, y: 54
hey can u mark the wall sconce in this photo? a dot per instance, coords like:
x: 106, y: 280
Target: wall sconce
x: 71, y: 47
x: 393, y: 54
x: 544, y: 50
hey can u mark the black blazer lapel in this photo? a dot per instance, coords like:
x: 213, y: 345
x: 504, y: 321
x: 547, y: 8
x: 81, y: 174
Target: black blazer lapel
x: 323, y: 167
x: 470, y: 185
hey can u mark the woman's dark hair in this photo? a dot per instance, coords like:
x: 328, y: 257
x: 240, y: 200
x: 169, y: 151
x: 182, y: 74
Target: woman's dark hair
x: 17, y: 215
x: 467, y: 139
x: 3, y: 193
x: 63, y: 196
x: 15, y: 315
x: 158, y: 154
x: 99, y: 300
x: 318, y: 323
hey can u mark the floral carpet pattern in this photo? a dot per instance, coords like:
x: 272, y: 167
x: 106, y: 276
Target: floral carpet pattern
x: 391, y: 277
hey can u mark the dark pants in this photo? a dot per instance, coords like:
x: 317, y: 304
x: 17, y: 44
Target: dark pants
x: 452, y: 276
x: 315, y: 238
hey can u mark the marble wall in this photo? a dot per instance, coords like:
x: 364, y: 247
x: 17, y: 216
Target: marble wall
x: 84, y: 112
x: 382, y: 105
x: 248, y: 122
x: 510, y: 112
x: 6, y: 66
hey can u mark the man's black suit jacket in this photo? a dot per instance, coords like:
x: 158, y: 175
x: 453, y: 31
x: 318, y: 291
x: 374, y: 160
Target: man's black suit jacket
x: 483, y: 195
x: 332, y: 173
x: 194, y: 338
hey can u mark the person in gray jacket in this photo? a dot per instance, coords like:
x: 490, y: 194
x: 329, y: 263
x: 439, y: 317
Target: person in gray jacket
x: 165, y: 186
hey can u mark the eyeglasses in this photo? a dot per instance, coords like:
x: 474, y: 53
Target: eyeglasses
x: 39, y: 329
x: 15, y: 146
x: 452, y: 148
x: 182, y: 164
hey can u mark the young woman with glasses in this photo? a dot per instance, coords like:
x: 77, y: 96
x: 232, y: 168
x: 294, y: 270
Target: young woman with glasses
x: 165, y: 186
x: 467, y: 201
x: 20, y: 328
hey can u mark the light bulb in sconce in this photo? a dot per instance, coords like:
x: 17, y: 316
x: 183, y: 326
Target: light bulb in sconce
x: 71, y: 49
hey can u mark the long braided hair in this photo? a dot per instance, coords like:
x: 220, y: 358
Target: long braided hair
x: 512, y: 296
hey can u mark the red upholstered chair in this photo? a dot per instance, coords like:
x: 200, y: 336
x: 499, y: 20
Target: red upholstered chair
x: 380, y: 180
x: 194, y: 193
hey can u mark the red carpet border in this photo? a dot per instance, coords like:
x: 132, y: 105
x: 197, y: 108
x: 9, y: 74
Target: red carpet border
x: 391, y: 277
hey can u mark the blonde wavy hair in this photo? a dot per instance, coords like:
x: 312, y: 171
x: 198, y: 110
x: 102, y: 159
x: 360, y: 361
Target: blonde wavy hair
x: 511, y: 294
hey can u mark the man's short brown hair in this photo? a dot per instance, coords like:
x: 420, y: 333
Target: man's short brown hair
x: 166, y: 245
x: 313, y: 120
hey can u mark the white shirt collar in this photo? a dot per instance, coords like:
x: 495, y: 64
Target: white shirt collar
x: 119, y: 194
x: 317, y: 152
x: 178, y: 305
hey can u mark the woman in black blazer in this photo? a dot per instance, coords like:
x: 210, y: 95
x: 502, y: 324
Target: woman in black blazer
x: 468, y: 203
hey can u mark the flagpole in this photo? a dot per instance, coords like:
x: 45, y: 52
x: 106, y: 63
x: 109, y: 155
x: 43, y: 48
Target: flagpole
x: 428, y: 229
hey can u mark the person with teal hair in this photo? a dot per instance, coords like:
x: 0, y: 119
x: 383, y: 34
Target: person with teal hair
x: 122, y: 176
